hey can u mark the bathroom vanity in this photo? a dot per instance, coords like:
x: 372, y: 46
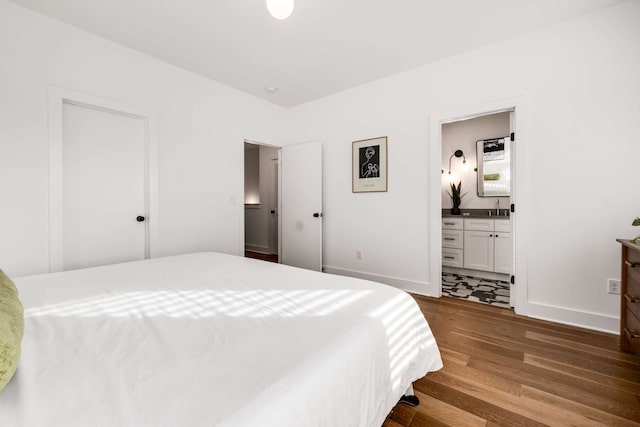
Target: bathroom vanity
x: 478, y: 243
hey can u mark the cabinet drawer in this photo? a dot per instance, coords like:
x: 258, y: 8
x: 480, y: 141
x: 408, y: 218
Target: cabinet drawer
x: 633, y: 304
x: 632, y: 332
x: 453, y: 239
x: 478, y: 224
x: 633, y: 255
x: 452, y: 257
x: 632, y: 291
x: 503, y: 225
x: 633, y: 273
x: 452, y: 223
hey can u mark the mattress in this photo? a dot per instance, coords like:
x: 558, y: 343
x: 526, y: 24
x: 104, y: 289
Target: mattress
x: 212, y: 339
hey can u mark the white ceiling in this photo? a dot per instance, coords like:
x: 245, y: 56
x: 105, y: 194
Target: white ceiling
x: 324, y: 47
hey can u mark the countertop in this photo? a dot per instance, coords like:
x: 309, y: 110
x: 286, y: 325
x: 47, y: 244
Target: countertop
x: 477, y: 213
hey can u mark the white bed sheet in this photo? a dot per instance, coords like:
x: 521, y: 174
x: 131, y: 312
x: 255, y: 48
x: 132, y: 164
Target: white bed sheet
x: 211, y: 339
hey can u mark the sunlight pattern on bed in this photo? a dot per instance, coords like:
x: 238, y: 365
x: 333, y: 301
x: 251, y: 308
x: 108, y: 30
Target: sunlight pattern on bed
x: 205, y: 303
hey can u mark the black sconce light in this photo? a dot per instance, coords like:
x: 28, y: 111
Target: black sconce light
x: 457, y: 153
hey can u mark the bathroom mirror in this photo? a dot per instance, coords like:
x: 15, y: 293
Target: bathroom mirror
x: 494, y: 167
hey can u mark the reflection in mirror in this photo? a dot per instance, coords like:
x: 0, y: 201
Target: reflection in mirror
x: 494, y: 167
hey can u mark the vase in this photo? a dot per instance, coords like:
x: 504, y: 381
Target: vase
x: 455, y: 211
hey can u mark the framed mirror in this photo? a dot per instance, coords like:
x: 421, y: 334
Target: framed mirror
x: 494, y: 167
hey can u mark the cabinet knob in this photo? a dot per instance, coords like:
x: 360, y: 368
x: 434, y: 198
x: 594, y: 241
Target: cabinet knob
x: 140, y: 218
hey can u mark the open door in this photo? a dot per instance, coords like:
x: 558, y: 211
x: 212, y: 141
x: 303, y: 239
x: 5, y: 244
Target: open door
x: 301, y: 213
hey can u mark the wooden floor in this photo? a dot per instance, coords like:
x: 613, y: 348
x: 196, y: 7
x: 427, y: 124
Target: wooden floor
x: 501, y: 369
x: 263, y: 257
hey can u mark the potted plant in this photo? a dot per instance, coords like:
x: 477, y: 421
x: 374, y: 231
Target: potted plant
x: 456, y: 197
x: 635, y: 223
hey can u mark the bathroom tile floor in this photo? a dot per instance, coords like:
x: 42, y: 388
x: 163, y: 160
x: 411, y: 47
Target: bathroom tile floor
x: 493, y: 292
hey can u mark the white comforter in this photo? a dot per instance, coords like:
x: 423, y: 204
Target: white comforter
x: 210, y: 339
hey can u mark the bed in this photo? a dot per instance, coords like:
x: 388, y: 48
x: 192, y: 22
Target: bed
x: 211, y: 339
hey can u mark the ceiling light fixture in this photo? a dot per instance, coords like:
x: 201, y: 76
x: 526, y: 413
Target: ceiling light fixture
x: 271, y: 89
x: 280, y: 9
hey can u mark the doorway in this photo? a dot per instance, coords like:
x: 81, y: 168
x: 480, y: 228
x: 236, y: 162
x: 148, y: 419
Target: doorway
x: 261, y: 201
x: 294, y: 207
x: 477, y: 249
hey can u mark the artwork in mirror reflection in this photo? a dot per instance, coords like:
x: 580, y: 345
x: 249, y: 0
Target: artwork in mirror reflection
x: 494, y: 167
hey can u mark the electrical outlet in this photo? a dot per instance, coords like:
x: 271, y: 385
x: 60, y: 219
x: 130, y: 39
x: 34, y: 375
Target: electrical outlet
x: 358, y: 254
x: 613, y: 286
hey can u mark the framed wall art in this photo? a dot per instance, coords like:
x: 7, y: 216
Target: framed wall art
x: 369, y: 173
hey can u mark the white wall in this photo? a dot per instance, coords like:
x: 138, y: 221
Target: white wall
x: 202, y: 126
x: 579, y: 81
x: 462, y: 135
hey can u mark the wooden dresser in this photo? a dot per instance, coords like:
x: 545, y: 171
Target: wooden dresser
x: 630, y: 296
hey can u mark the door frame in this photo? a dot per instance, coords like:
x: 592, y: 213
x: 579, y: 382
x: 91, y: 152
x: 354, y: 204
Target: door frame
x: 520, y: 185
x: 57, y: 98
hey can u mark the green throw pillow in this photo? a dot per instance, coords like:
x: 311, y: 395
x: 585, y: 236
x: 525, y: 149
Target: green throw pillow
x: 11, y: 329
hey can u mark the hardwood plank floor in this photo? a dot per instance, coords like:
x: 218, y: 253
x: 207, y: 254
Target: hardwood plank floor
x: 501, y: 369
x: 263, y: 257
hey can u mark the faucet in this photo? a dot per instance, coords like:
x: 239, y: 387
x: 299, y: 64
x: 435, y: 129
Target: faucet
x: 497, y: 207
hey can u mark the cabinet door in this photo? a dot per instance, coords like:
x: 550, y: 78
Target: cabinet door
x: 478, y: 250
x: 503, y: 253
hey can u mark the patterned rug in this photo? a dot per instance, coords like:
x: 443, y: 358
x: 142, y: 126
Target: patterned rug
x: 494, y: 292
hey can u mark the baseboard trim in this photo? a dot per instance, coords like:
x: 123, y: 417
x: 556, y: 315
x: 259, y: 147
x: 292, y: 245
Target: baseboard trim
x: 568, y: 316
x: 563, y: 315
x: 412, y: 286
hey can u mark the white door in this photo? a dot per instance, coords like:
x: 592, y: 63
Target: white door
x: 104, y: 187
x: 301, y: 214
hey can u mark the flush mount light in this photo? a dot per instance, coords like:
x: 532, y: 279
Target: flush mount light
x: 271, y: 89
x: 280, y: 9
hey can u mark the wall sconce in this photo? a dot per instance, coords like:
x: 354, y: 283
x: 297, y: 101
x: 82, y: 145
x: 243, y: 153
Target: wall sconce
x: 457, y: 153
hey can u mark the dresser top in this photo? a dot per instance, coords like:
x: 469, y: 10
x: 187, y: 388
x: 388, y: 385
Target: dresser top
x: 627, y: 243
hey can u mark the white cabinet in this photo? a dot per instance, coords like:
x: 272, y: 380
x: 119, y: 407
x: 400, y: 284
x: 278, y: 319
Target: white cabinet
x: 452, y: 224
x: 488, y: 245
x: 479, y: 224
x: 478, y: 250
x: 452, y: 239
x: 452, y: 242
x: 503, y: 253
